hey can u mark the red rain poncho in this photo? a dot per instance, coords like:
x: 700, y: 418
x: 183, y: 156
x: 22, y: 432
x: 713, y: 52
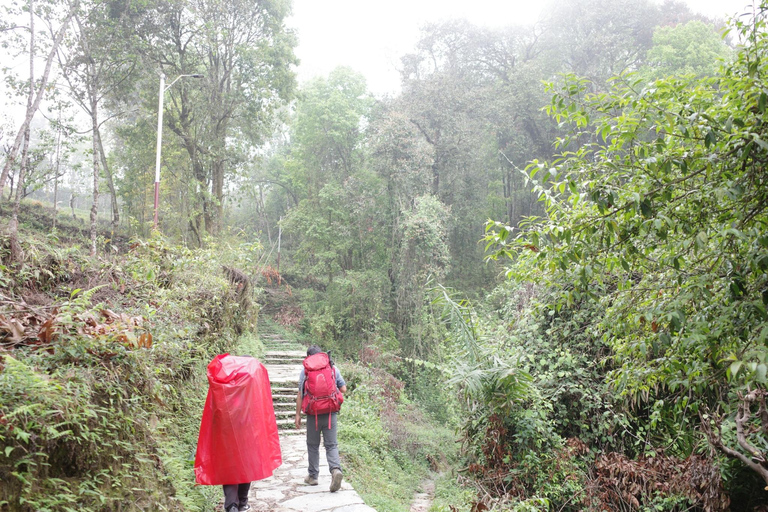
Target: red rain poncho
x: 238, y: 440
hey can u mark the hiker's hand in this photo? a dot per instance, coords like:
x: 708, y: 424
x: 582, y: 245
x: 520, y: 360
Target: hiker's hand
x: 298, y: 421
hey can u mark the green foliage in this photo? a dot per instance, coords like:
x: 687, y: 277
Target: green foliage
x: 656, y: 212
x: 215, y: 125
x: 388, y: 447
x: 519, y: 403
x: 481, y: 373
x: 450, y: 496
x: 349, y: 317
x: 421, y: 256
x: 73, y: 429
x: 693, y: 48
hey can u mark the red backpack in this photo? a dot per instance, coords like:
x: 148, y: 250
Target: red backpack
x: 321, y: 396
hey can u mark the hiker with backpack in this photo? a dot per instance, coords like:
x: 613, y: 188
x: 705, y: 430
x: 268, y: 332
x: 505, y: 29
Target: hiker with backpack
x: 320, y: 396
x: 238, y: 440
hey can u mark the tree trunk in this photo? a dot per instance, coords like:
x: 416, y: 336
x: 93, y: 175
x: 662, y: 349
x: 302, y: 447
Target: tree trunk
x: 217, y: 192
x: 33, y: 105
x: 55, y: 199
x: 111, y: 186
x: 13, y: 225
x: 56, y: 173
x: 96, y: 174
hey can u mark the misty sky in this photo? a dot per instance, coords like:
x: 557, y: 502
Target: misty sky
x: 370, y: 37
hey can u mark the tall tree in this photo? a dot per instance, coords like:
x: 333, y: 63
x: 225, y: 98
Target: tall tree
x: 37, y: 88
x: 245, y: 53
x: 326, y: 173
x: 474, y: 96
x: 95, y: 64
x: 598, y: 39
x: 691, y: 48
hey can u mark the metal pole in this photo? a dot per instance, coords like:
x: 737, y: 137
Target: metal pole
x: 279, y: 237
x: 159, y: 143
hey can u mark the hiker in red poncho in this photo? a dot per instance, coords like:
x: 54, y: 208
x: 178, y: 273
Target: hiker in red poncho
x: 238, y: 440
x: 320, y: 396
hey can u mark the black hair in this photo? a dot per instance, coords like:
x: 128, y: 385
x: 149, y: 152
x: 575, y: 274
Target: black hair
x: 315, y: 349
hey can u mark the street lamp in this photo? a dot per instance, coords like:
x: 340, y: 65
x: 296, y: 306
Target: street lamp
x: 161, y: 95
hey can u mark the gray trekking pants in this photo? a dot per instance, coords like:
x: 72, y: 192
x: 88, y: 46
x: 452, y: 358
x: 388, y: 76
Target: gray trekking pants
x: 236, y: 495
x: 314, y: 430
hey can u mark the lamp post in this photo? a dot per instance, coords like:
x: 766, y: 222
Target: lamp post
x: 161, y: 96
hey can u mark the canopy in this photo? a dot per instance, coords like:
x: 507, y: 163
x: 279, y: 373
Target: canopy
x: 238, y: 440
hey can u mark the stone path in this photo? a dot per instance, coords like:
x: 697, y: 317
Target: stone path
x: 285, y: 490
x: 422, y: 501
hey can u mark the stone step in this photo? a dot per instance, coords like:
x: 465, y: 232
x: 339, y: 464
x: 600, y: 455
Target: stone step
x: 287, y: 353
x: 282, y: 389
x: 282, y: 362
x: 284, y: 385
x: 289, y: 423
x: 286, y: 392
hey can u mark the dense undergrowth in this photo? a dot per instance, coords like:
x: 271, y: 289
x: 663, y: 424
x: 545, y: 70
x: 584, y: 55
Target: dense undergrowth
x: 102, y: 376
x: 389, y: 444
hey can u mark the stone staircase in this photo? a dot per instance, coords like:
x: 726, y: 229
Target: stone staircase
x: 285, y: 490
x: 283, y: 359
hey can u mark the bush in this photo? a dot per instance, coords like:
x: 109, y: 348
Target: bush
x: 388, y: 446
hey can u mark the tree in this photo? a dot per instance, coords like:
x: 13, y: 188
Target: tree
x: 327, y: 175
x: 245, y: 53
x: 421, y: 257
x: 326, y: 132
x: 33, y: 103
x: 92, y: 64
x: 599, y: 39
x: 36, y: 90
x: 692, y: 48
x: 660, y: 216
x: 474, y: 96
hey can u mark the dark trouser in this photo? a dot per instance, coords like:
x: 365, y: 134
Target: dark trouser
x: 314, y: 429
x: 236, y: 494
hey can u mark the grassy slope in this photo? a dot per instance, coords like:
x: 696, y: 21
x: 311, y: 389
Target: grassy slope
x: 90, y: 420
